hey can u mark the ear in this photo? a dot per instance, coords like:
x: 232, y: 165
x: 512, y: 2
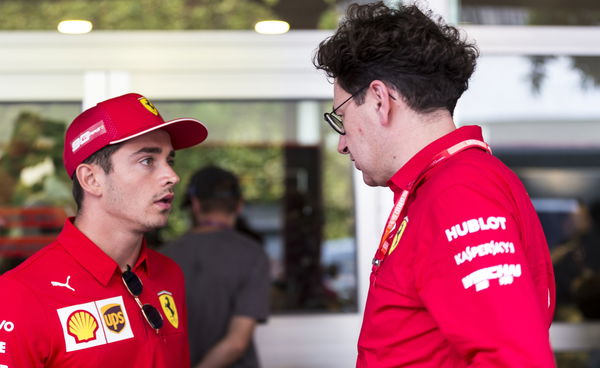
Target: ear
x: 196, y: 206
x: 89, y: 179
x: 382, y: 98
x: 240, y: 207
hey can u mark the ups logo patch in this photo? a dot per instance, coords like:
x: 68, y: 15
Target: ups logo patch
x: 113, y: 317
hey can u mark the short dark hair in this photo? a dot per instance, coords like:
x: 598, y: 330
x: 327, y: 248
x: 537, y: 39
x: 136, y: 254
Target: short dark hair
x: 425, y: 60
x: 216, y: 188
x: 102, y: 158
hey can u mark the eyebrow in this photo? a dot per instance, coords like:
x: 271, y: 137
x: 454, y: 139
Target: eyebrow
x: 155, y: 150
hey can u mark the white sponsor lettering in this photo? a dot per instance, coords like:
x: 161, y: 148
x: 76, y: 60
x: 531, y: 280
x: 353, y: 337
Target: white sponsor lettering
x: 3, y: 366
x: 88, y: 135
x: 2, y: 347
x: 7, y: 326
x: 481, y: 278
x: 475, y: 225
x: 491, y: 248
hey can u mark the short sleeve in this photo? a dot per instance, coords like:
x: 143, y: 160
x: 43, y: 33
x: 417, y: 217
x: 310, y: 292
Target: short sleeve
x: 475, y: 280
x: 252, y: 298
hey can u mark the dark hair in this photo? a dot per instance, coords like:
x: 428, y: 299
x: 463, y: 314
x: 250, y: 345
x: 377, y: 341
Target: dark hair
x: 216, y: 188
x: 102, y: 158
x: 425, y: 60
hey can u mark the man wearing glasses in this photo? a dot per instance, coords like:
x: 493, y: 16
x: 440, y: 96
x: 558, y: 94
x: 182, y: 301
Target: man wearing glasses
x: 97, y: 296
x: 462, y: 275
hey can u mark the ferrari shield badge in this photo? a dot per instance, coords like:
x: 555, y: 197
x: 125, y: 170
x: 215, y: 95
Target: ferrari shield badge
x: 169, y: 308
x: 148, y: 105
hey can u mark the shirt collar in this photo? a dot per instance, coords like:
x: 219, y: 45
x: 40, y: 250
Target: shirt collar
x: 420, y: 161
x: 92, y: 258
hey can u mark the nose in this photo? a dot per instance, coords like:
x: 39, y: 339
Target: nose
x: 170, y: 176
x: 342, y: 146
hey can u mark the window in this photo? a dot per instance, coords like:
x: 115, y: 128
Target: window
x: 297, y: 189
x: 35, y: 196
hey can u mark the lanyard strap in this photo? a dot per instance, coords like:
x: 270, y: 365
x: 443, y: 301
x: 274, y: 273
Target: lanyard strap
x: 392, y: 222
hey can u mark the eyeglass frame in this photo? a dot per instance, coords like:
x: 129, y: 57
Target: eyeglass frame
x: 145, y: 308
x: 334, y: 120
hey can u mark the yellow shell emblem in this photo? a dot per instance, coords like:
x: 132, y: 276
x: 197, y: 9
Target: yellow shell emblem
x: 82, y: 326
x: 148, y: 105
x: 169, y: 308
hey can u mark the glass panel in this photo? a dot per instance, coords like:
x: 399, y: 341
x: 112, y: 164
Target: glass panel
x: 539, y: 101
x: 530, y: 12
x: 299, y: 199
x: 35, y: 195
x: 298, y: 194
x: 578, y: 359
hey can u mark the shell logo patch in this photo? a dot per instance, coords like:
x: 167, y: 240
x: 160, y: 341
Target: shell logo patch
x: 82, y: 326
x: 398, y: 235
x: 169, y: 308
x: 95, y: 323
x: 113, y: 317
x: 148, y: 105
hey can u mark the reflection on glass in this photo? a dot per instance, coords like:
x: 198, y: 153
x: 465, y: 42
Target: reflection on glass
x: 540, y: 101
x: 298, y: 195
x: 35, y: 195
x: 530, y: 12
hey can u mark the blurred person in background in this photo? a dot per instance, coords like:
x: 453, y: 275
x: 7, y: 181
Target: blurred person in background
x: 226, y: 274
x: 462, y: 276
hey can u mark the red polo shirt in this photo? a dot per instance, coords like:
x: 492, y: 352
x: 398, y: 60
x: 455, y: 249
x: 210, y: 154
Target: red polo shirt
x: 470, y: 281
x: 66, y: 306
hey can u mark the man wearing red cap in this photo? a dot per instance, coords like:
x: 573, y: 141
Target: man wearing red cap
x: 98, y: 296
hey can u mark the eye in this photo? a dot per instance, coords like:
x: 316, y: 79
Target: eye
x: 171, y: 162
x: 147, y: 161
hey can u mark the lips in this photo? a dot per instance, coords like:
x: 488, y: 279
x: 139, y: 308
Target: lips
x: 165, y: 201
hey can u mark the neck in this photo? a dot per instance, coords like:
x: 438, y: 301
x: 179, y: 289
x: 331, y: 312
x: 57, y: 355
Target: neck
x: 416, y: 132
x: 121, y: 244
x: 214, y: 222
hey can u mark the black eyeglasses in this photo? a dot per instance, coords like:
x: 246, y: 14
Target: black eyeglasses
x: 335, y: 121
x: 134, y: 286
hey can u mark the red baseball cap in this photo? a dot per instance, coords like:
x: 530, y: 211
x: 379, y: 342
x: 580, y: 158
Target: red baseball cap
x: 119, y: 119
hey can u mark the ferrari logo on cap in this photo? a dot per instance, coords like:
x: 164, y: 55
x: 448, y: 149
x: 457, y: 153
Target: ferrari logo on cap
x: 148, y: 105
x: 169, y: 308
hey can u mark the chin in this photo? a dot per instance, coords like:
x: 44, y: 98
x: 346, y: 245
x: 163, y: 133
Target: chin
x: 370, y: 181
x: 156, y: 224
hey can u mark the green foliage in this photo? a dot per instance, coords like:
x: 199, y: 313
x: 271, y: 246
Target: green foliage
x: 35, y: 142
x: 259, y: 168
x: 134, y: 14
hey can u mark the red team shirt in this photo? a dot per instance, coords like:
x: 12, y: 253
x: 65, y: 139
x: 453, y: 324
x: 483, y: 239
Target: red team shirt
x: 66, y: 306
x: 470, y: 281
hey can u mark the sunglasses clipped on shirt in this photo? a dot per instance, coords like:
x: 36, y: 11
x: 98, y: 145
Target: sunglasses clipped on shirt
x: 134, y: 286
x: 334, y: 120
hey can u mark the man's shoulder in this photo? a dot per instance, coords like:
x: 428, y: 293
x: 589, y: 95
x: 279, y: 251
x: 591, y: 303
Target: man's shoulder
x: 163, y: 261
x: 472, y: 167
